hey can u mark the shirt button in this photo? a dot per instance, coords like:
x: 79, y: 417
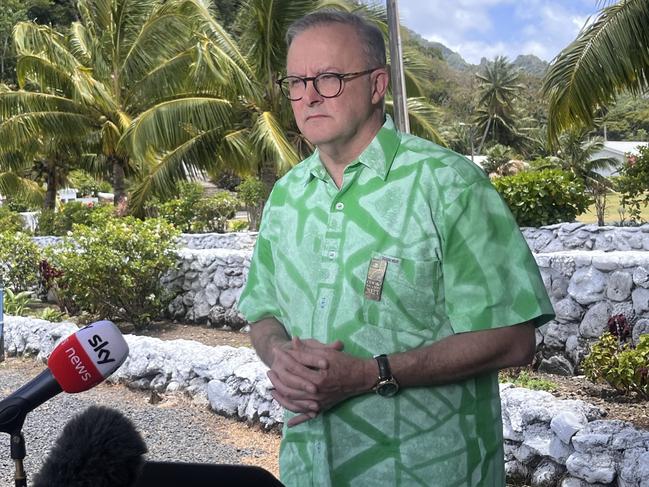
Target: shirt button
x: 340, y: 206
x: 332, y: 254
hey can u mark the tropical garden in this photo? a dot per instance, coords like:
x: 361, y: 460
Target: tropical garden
x: 164, y: 116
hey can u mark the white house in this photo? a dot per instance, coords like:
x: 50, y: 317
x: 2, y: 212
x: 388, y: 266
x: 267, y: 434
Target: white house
x: 617, y: 150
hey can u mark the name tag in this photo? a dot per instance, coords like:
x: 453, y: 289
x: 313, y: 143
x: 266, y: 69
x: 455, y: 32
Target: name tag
x: 375, y: 277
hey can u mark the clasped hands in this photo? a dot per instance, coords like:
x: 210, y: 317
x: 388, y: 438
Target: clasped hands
x: 310, y: 377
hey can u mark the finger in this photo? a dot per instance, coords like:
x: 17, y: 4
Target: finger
x: 299, y: 366
x: 300, y: 418
x: 292, y: 387
x: 295, y: 406
x: 311, y: 358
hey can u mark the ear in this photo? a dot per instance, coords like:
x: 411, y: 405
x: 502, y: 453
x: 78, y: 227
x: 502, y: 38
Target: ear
x: 380, y: 81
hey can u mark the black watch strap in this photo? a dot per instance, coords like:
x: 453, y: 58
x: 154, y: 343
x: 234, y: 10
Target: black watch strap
x: 385, y: 372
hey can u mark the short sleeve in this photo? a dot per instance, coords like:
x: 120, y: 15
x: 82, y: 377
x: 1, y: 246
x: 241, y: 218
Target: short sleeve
x: 490, y: 276
x: 258, y: 299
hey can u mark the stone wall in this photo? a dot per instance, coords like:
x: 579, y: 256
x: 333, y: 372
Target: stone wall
x: 597, y: 278
x: 550, y: 441
x: 586, y: 288
x: 579, y: 236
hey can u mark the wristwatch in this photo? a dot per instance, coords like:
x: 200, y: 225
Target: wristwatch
x: 386, y: 385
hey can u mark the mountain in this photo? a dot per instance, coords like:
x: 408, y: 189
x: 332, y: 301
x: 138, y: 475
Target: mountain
x: 527, y: 63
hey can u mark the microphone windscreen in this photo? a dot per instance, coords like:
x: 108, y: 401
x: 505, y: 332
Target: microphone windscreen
x: 98, y: 448
x: 88, y: 356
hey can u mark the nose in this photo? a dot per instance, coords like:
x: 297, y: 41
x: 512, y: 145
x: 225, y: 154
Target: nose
x: 311, y: 95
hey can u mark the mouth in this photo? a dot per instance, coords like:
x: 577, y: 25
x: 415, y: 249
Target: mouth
x: 315, y: 117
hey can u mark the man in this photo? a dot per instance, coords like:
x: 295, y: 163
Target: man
x: 384, y: 245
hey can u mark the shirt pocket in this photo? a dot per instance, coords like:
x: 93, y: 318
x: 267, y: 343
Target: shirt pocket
x: 409, y: 297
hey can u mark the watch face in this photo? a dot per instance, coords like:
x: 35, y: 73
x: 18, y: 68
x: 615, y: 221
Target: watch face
x: 387, y: 389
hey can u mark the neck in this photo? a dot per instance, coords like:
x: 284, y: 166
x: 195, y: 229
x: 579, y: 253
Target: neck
x: 336, y: 156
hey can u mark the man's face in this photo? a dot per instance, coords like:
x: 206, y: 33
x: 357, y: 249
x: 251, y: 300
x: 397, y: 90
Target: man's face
x: 331, y: 48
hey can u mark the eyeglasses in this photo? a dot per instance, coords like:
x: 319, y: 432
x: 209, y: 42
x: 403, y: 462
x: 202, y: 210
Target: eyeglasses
x: 328, y: 85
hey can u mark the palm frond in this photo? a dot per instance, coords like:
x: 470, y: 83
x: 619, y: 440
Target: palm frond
x: 13, y: 185
x: 608, y: 56
x: 171, y: 123
x: 269, y: 136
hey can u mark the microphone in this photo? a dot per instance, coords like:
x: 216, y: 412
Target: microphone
x: 99, y: 447
x: 78, y: 363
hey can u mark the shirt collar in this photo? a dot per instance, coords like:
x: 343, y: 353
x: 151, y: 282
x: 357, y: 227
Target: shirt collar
x: 377, y: 156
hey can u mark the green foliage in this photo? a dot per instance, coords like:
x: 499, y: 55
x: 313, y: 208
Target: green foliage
x: 86, y: 184
x: 59, y: 222
x: 544, y: 197
x: 523, y: 378
x: 633, y: 184
x: 237, y: 225
x: 10, y: 221
x: 624, y: 367
x: 253, y: 193
x: 53, y: 315
x: 19, y: 257
x: 497, y: 158
x: 15, y: 304
x: 182, y: 211
x: 113, y: 270
x: 213, y: 213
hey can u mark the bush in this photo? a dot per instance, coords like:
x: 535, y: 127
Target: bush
x: 212, y: 214
x: 86, y: 184
x: 615, y: 360
x: 181, y: 212
x: 19, y: 257
x: 60, y: 222
x: 498, y: 157
x: 16, y: 304
x: 113, y: 270
x: 10, y: 221
x: 633, y: 183
x: 543, y: 197
x: 252, y: 193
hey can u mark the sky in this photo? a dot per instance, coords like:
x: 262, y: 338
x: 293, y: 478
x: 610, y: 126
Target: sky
x: 488, y: 28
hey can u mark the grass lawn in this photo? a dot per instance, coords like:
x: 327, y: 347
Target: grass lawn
x: 611, y: 215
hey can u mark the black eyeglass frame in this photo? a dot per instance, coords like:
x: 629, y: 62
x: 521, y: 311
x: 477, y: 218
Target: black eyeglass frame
x: 341, y: 78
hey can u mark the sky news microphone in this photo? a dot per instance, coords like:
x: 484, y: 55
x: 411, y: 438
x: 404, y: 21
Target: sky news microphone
x: 79, y: 362
x: 98, y: 448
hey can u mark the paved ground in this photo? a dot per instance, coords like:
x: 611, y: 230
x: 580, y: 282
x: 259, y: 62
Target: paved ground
x: 174, y: 429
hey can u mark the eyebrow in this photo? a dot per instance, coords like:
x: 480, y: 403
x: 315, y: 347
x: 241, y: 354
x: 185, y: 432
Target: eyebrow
x: 328, y: 69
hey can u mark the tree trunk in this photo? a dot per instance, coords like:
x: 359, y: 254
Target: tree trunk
x: 268, y: 174
x: 52, y: 183
x: 119, y: 193
x: 484, y: 136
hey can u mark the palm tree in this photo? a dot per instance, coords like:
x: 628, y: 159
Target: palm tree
x: 607, y: 57
x: 575, y: 154
x: 498, y: 87
x: 277, y: 142
x: 147, y: 86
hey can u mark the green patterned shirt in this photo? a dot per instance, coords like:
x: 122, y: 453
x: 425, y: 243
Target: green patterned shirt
x: 456, y: 262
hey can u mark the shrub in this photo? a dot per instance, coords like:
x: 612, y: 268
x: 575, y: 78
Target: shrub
x: 113, y: 270
x: 53, y: 315
x: 213, y: 213
x: 59, y: 222
x: 15, y: 304
x: 498, y: 157
x: 19, y: 257
x: 543, y: 197
x: 86, y: 184
x: 181, y: 212
x: 252, y: 193
x: 523, y: 378
x: 237, y: 225
x: 633, y: 183
x: 10, y: 221
x: 615, y: 360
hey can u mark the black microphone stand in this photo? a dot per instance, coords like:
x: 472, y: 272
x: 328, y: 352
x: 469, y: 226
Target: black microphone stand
x: 13, y: 411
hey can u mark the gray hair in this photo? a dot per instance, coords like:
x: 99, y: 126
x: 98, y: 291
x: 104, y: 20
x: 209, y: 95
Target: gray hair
x: 369, y: 34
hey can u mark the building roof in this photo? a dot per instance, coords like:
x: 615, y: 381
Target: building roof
x: 623, y: 147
